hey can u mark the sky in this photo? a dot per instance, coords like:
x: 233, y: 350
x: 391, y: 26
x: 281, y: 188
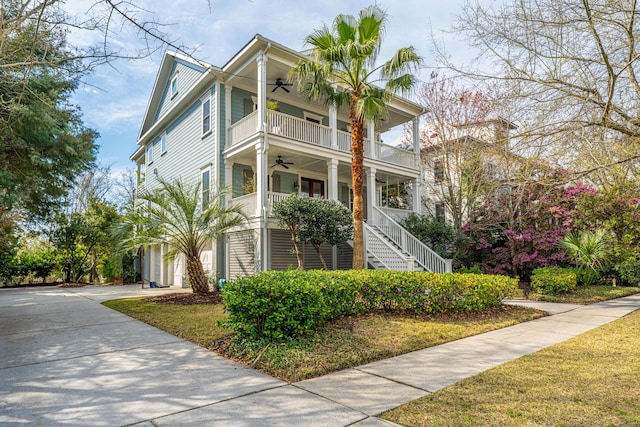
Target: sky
x: 114, y: 97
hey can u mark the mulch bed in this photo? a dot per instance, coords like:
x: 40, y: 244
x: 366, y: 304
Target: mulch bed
x: 187, y: 298
x: 73, y: 285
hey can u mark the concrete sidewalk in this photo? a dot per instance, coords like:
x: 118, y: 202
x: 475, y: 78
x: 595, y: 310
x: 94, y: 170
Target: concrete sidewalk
x: 66, y: 359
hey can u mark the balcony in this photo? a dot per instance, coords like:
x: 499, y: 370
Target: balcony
x: 248, y: 202
x: 296, y: 129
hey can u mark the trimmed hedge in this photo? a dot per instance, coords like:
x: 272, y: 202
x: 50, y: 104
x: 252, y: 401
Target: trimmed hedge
x: 281, y: 304
x: 553, y: 281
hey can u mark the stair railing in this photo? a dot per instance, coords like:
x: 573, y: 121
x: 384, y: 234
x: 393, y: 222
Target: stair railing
x: 386, y: 253
x: 408, y: 243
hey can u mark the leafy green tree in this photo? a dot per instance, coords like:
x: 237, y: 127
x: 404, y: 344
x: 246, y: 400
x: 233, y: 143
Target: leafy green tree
x: 313, y: 221
x: 43, y: 143
x: 341, y: 70
x: 327, y: 221
x: 291, y: 213
x: 438, y: 235
x: 174, y: 214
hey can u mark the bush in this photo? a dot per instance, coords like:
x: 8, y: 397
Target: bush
x: 553, y: 281
x: 278, y: 305
x: 274, y: 305
x: 628, y: 271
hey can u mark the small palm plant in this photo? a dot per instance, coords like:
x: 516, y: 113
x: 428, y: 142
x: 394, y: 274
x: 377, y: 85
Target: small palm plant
x: 174, y: 214
x: 587, y: 250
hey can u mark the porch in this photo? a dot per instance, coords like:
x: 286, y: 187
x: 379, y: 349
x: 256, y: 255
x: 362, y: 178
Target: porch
x: 291, y: 128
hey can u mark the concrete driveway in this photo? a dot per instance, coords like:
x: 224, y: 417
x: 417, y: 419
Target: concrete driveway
x: 66, y: 359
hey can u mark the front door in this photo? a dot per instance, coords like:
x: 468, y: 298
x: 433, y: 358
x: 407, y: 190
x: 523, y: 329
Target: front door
x: 312, y: 187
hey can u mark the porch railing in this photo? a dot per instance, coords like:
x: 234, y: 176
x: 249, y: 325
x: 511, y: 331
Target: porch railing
x: 243, y: 128
x: 408, y: 243
x: 249, y: 201
x: 297, y: 129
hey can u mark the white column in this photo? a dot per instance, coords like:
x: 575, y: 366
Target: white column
x: 371, y: 131
x: 228, y: 180
x: 262, y: 90
x: 371, y: 191
x: 333, y: 124
x: 332, y: 177
x: 417, y: 195
x: 261, y: 203
x: 227, y: 115
x: 416, y: 136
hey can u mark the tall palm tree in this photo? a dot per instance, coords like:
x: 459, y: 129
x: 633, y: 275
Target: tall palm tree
x: 174, y: 214
x: 342, y: 70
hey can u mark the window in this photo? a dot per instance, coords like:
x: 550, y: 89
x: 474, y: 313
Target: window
x: 149, y: 154
x: 438, y: 171
x: 440, y: 216
x: 312, y: 188
x: 206, y: 185
x: 174, y: 86
x: 313, y: 118
x: 206, y: 116
x: 163, y: 143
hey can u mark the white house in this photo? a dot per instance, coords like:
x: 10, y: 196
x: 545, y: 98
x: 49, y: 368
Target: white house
x: 244, y: 126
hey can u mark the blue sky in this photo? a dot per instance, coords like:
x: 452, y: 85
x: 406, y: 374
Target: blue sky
x: 113, y: 99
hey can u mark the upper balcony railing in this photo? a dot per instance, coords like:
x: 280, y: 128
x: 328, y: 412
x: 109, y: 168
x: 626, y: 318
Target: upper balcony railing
x: 297, y: 129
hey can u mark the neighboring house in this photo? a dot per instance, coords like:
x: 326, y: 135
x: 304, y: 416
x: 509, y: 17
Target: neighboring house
x: 243, y: 126
x: 462, y: 164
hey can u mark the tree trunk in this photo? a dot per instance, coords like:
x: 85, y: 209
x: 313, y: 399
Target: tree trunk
x: 296, y: 246
x: 324, y: 264
x: 357, y: 177
x: 197, y: 278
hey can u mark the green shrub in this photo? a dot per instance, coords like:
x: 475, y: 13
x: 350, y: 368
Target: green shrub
x: 274, y: 305
x: 553, y: 281
x: 628, y: 271
x: 279, y: 305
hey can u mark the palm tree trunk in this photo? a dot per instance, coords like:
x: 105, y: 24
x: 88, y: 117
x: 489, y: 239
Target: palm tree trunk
x: 196, y: 275
x: 357, y: 177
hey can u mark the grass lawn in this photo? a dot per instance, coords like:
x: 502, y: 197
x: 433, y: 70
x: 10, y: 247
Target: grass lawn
x: 197, y: 323
x: 588, y: 294
x: 341, y: 344
x: 590, y: 380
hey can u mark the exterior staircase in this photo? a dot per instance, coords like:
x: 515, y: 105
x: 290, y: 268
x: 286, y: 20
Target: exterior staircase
x: 391, y: 247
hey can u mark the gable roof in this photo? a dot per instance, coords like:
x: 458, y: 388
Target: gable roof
x: 169, y: 60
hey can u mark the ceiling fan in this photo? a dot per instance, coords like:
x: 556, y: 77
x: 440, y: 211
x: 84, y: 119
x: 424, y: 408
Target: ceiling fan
x: 280, y: 162
x: 281, y: 84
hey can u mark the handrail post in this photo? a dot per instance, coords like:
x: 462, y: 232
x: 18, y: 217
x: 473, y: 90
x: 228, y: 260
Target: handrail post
x: 411, y: 263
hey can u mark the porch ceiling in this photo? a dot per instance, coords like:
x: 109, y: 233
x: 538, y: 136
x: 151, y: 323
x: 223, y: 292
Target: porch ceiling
x: 247, y: 79
x: 305, y: 165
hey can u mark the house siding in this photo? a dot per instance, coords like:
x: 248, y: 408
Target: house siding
x: 283, y: 253
x: 188, y: 152
x: 242, y: 258
x: 187, y: 75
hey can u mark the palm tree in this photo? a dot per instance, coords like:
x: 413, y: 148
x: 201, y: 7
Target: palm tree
x: 587, y: 250
x: 174, y: 214
x: 341, y: 70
